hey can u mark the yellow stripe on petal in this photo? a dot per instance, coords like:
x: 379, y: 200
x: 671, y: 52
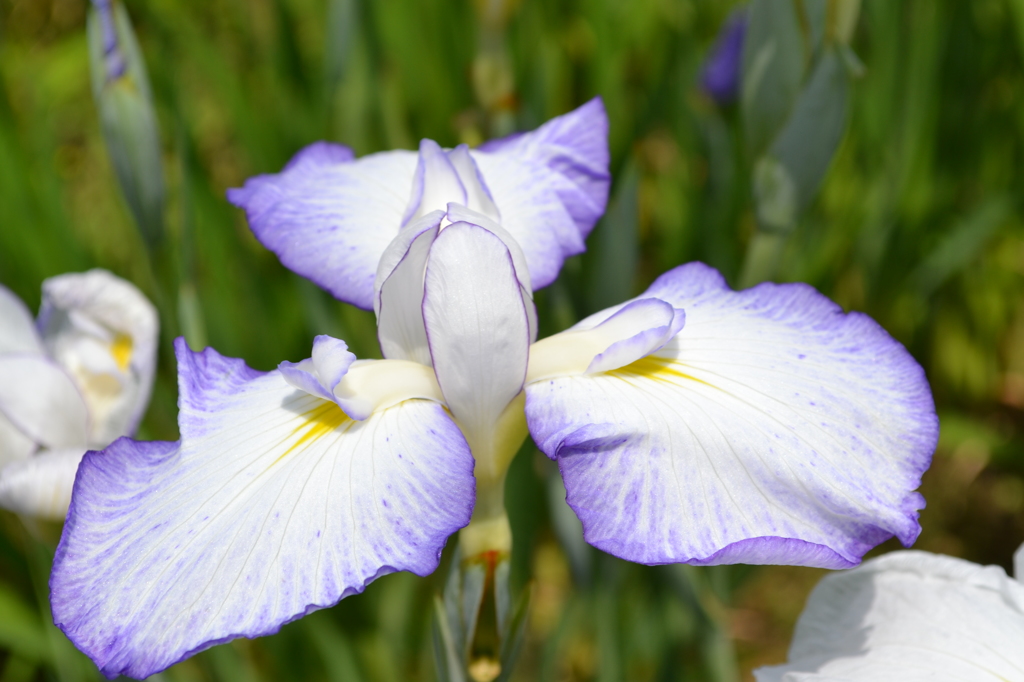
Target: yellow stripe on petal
x: 323, y: 419
x: 658, y: 369
x: 121, y: 349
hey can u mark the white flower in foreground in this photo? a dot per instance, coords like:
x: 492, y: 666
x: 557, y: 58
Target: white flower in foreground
x: 77, y: 378
x: 910, y: 616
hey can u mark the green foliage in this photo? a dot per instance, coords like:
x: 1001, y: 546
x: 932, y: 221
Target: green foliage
x: 917, y: 222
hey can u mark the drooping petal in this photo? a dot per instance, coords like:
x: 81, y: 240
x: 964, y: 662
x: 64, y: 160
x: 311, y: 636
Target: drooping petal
x: 104, y: 332
x: 634, y: 331
x: 41, y: 485
x: 329, y: 217
x: 477, y: 328
x: 273, y: 505
x: 41, y: 400
x: 17, y: 328
x: 550, y: 185
x: 435, y: 183
x: 773, y: 428
x: 909, y: 617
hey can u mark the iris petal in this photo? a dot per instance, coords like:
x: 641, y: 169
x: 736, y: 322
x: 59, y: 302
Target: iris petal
x: 104, y: 332
x: 550, y: 185
x: 17, y: 328
x: 909, y: 616
x: 773, y: 428
x: 329, y: 217
x: 42, y: 401
x: 274, y: 504
x: 41, y: 485
x: 477, y: 328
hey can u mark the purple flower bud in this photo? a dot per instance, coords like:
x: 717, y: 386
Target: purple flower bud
x: 115, y: 64
x: 720, y: 76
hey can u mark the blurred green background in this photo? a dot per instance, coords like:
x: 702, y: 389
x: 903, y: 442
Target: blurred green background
x: 918, y: 223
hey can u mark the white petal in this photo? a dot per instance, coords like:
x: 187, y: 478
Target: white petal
x: 17, y: 329
x: 398, y: 248
x: 458, y: 213
x: 477, y: 327
x: 435, y: 184
x: 42, y: 401
x: 773, y: 428
x: 41, y: 485
x: 104, y: 331
x: 273, y: 505
x: 15, y: 444
x: 909, y: 617
x: 320, y: 374
x: 478, y: 197
x: 400, y: 317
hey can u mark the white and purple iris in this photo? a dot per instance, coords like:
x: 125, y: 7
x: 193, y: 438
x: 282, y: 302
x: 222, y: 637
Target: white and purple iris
x: 691, y: 424
x: 77, y: 378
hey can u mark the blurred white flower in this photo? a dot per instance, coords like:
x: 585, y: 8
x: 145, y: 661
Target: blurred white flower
x: 76, y: 379
x: 910, y: 616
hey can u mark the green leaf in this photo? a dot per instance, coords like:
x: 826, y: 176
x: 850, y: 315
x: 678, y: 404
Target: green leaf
x: 774, y: 59
x: 787, y: 178
x: 21, y: 631
x: 616, y: 245
x: 446, y: 652
x: 513, y: 634
x: 961, y: 246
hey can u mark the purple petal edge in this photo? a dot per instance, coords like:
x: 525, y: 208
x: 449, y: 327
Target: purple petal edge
x: 571, y: 441
x: 104, y: 463
x: 110, y: 483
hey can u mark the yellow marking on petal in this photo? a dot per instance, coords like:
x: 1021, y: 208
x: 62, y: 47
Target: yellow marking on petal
x: 121, y: 349
x: 319, y: 421
x: 658, y: 369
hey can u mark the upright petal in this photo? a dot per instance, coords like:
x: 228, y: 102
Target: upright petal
x: 550, y: 185
x: 773, y: 428
x: 478, y: 197
x: 400, y: 295
x: 17, y: 328
x: 41, y: 485
x: 435, y: 183
x: 477, y: 328
x: 909, y: 617
x: 39, y: 398
x: 329, y: 217
x: 458, y: 213
x: 104, y: 331
x: 273, y: 505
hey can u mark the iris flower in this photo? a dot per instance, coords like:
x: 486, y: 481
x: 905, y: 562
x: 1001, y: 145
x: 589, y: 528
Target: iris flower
x: 77, y: 378
x: 908, y: 617
x: 692, y: 423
